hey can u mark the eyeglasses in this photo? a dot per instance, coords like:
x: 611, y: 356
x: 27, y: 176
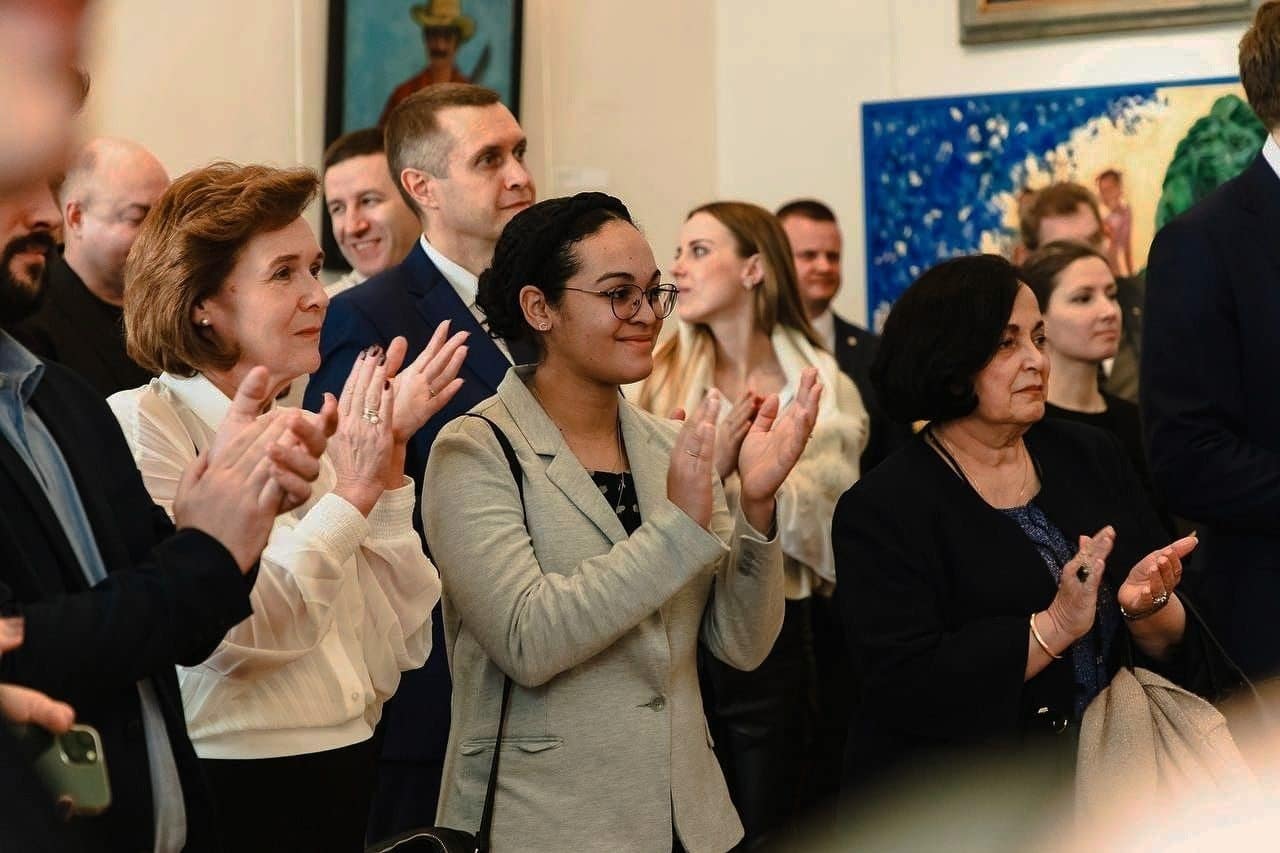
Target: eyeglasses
x: 626, y: 299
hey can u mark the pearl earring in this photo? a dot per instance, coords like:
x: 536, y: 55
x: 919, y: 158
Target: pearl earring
x: 204, y: 321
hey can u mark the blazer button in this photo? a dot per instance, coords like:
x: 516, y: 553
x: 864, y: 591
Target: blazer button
x: 657, y: 703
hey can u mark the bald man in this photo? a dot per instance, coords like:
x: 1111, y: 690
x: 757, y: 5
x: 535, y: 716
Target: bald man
x: 108, y: 190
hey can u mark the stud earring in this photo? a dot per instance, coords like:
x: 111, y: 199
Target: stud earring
x: 545, y: 327
x: 204, y: 321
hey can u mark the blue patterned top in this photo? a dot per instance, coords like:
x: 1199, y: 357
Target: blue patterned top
x: 1088, y: 654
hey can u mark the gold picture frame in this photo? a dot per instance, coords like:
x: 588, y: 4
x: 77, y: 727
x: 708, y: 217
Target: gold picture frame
x: 988, y: 21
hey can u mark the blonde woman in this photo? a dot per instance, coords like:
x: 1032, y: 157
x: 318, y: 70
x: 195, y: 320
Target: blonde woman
x: 743, y: 332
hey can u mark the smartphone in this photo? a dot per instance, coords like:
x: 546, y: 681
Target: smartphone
x: 70, y: 765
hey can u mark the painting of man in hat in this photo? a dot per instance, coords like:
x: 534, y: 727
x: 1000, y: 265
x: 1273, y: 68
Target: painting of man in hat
x: 444, y: 30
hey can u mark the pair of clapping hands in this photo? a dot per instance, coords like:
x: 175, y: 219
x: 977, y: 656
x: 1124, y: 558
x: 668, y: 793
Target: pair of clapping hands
x: 261, y: 465
x: 1148, y: 587
x: 755, y: 440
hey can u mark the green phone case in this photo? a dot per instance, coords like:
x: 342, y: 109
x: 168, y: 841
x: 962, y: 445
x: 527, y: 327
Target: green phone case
x: 70, y: 765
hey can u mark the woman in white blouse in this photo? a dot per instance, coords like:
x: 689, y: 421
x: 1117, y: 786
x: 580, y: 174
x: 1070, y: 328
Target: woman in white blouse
x: 223, y: 277
x: 743, y: 331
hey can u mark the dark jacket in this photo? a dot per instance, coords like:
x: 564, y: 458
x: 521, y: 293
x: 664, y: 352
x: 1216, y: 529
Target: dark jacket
x: 937, y: 588
x: 1209, y: 401
x: 855, y: 351
x: 410, y: 299
x: 168, y: 599
x: 80, y: 331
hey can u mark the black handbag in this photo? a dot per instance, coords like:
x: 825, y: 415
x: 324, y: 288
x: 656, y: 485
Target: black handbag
x: 442, y: 839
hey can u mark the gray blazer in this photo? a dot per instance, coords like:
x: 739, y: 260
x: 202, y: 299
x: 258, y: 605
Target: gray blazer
x: 606, y: 744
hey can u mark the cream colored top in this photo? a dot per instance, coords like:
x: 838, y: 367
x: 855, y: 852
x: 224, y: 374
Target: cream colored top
x: 826, y: 469
x: 341, y: 603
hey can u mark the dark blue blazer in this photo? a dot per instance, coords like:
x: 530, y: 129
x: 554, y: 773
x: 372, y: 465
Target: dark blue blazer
x: 1211, y: 354
x: 410, y: 299
x: 855, y: 351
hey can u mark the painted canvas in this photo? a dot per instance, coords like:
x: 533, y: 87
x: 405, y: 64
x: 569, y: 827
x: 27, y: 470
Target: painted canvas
x: 380, y: 51
x: 943, y: 176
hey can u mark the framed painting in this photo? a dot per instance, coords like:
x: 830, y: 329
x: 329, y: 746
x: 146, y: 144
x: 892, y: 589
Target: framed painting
x: 382, y: 51
x: 946, y: 176
x: 983, y: 21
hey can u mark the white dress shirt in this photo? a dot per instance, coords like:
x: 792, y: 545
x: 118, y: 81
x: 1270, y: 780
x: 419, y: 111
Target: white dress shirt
x: 825, y: 325
x: 341, y: 605
x: 1271, y: 153
x: 466, y: 284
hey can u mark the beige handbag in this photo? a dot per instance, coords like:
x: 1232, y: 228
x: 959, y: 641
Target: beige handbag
x: 1146, y: 742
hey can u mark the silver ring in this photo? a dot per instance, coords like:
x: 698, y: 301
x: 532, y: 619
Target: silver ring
x: 372, y: 416
x: 691, y: 453
x: 1160, y: 600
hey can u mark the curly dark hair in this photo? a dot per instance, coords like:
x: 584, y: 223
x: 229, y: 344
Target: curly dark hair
x: 940, y: 333
x: 536, y: 248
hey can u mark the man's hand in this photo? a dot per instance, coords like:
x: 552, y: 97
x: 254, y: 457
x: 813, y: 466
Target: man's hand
x: 22, y: 705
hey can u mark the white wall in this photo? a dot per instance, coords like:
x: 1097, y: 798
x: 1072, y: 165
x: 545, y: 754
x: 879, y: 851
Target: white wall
x: 791, y: 76
x: 665, y: 103
x: 614, y: 97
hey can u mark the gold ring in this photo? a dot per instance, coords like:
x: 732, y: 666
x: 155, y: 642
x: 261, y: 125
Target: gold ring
x: 372, y: 416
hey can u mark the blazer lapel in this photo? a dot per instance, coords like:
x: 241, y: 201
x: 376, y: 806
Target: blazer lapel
x: 438, y: 301
x: 564, y: 469
x: 1260, y: 188
x: 649, y: 461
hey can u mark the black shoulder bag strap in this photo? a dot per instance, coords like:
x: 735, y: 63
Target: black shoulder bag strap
x: 486, y: 816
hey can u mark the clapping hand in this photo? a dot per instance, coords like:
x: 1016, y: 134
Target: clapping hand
x: 1154, y: 578
x: 732, y: 430
x: 361, y: 449
x: 772, y: 447
x: 689, y: 475
x: 1073, y: 609
x: 424, y: 387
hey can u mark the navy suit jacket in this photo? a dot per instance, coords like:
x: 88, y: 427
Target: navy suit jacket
x: 168, y: 599
x: 1210, y: 356
x: 855, y: 351
x: 410, y: 299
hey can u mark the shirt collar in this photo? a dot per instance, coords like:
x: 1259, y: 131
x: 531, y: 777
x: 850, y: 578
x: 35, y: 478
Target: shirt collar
x: 462, y: 280
x: 18, y: 367
x: 1271, y: 151
x: 825, y: 325
x: 200, y: 396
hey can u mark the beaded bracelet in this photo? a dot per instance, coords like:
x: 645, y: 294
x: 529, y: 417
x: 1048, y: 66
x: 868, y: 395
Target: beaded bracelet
x: 1035, y: 632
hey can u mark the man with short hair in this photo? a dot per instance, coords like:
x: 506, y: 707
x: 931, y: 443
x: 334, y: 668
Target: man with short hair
x: 1209, y: 401
x: 1068, y: 211
x: 816, y: 246
x: 457, y: 155
x: 373, y: 227
x: 107, y: 192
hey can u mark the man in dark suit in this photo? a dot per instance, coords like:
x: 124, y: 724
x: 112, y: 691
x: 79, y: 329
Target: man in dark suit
x: 1209, y: 399
x: 457, y: 156
x: 112, y: 597
x: 1069, y: 211
x: 816, y: 246
x: 107, y: 192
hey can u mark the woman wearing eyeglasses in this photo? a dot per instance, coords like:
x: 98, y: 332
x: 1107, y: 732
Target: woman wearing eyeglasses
x: 592, y: 584
x: 743, y: 333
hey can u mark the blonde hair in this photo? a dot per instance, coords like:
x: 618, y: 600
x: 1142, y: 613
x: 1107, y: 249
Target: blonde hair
x: 755, y: 231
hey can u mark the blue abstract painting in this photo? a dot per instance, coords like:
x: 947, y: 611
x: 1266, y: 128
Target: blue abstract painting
x: 942, y: 176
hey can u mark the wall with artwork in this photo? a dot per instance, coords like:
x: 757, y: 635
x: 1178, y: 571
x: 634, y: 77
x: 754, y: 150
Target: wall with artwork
x: 792, y: 78
x: 666, y: 102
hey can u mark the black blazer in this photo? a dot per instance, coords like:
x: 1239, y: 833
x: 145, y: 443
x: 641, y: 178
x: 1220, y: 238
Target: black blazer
x: 855, y: 351
x: 410, y: 299
x: 1209, y: 401
x: 936, y: 588
x: 168, y: 599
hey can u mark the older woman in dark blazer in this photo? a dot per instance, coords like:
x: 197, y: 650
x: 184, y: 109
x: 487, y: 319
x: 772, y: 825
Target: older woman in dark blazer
x: 592, y: 585
x: 999, y: 569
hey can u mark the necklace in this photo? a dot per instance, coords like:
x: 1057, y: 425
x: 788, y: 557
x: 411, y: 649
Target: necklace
x: 1027, y: 469
x: 622, y: 456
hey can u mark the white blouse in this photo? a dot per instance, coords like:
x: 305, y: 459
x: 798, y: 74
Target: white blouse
x: 341, y: 604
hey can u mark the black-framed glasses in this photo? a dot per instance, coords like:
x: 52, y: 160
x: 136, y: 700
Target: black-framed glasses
x: 626, y: 299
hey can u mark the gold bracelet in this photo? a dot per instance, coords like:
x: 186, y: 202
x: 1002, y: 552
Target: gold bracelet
x: 1035, y: 632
